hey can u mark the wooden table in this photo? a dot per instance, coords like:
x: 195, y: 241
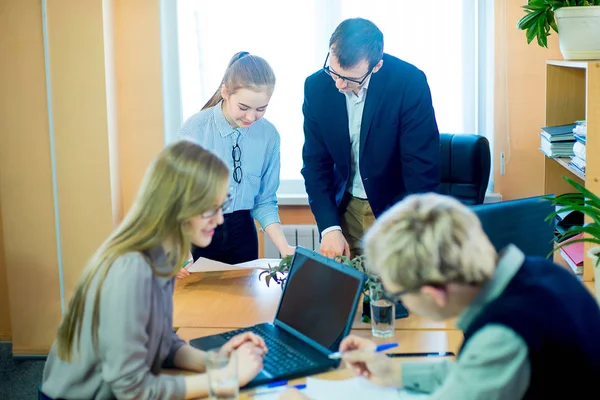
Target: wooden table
x: 236, y: 299
x: 409, y: 341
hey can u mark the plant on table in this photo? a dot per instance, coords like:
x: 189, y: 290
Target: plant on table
x: 539, y: 19
x: 278, y: 274
x: 585, y: 202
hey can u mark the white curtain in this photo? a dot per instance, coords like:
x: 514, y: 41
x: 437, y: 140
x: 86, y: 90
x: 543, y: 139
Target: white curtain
x: 440, y: 37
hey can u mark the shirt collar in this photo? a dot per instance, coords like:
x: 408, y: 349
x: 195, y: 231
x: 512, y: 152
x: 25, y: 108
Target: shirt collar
x: 222, y: 124
x: 511, y: 259
x: 160, y: 263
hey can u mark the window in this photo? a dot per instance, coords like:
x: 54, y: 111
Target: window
x: 442, y: 40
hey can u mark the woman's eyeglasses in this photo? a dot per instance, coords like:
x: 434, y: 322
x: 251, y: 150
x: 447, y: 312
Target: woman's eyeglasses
x: 236, y: 154
x: 211, y: 213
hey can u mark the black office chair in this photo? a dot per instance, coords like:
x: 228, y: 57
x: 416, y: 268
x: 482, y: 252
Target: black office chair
x: 521, y: 222
x: 465, y: 167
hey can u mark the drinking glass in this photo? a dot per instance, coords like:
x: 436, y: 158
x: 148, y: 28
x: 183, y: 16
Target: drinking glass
x: 383, y: 312
x: 222, y: 375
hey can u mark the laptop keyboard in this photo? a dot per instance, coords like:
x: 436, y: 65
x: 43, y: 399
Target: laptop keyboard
x: 280, y: 358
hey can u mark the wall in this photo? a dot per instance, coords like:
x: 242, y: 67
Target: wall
x: 105, y: 77
x: 138, y: 74
x: 5, y: 333
x: 520, y: 84
x: 97, y: 108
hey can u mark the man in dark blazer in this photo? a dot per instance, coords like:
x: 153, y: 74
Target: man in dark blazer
x: 371, y: 136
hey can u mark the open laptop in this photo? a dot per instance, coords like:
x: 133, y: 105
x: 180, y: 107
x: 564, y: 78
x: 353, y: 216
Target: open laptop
x: 315, y: 313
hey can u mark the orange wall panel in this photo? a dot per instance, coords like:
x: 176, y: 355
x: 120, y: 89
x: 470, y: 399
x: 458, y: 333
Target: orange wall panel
x: 520, y: 84
x: 5, y: 333
x: 79, y: 104
x: 25, y: 175
x: 139, y: 94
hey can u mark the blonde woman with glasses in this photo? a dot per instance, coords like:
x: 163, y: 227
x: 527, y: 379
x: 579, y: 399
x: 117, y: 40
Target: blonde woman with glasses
x: 117, y: 333
x: 232, y: 126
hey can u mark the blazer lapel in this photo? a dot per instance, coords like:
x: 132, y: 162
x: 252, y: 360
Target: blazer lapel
x: 374, y: 94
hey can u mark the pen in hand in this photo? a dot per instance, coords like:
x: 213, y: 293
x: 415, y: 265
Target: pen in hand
x: 382, y: 347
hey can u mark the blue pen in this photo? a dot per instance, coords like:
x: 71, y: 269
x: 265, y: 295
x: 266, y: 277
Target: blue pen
x: 278, y: 386
x: 382, y: 347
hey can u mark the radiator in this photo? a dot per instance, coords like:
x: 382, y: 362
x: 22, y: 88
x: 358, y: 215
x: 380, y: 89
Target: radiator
x: 296, y: 235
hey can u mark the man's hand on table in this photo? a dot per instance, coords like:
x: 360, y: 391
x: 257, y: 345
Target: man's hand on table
x: 363, y: 361
x: 334, y: 244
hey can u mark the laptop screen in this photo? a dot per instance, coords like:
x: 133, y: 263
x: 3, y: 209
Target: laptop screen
x: 319, y: 300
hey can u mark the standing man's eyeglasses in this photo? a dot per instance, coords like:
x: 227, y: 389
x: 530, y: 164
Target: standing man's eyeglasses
x: 236, y: 154
x: 335, y: 75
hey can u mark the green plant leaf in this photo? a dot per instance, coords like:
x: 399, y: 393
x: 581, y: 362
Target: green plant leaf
x: 267, y: 280
x: 593, y: 231
x: 528, y: 20
x: 586, y: 193
x: 530, y: 34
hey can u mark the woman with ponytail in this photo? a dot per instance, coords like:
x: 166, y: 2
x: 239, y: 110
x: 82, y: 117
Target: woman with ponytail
x: 232, y: 126
x: 117, y: 333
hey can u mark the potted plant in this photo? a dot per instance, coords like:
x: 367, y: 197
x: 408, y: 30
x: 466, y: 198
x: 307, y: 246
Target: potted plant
x: 577, y: 23
x: 588, y: 204
x: 278, y: 274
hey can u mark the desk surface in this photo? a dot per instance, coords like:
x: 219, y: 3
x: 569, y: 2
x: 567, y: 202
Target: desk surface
x: 409, y: 341
x: 237, y: 299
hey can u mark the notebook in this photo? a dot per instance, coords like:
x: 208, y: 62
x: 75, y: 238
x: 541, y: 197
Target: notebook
x: 316, y: 311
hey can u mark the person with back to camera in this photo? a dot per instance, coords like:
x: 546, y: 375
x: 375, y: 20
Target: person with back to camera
x: 530, y: 327
x: 231, y: 125
x: 371, y: 136
x: 117, y: 333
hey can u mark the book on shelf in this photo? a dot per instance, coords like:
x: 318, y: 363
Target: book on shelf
x: 578, y: 164
x: 559, y: 133
x: 557, y: 149
x: 579, y: 150
x: 573, y: 254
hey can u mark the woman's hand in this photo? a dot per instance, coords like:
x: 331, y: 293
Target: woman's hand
x: 249, y: 362
x: 247, y: 337
x: 363, y: 361
x: 287, y: 251
x: 183, y: 273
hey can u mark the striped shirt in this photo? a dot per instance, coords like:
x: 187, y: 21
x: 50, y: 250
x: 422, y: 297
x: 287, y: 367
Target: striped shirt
x: 260, y: 160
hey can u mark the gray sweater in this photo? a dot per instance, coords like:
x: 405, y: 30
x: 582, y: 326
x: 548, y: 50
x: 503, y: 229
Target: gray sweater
x: 135, y: 338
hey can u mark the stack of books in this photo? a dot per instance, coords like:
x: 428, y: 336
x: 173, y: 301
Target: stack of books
x: 580, y: 135
x: 558, y: 141
x: 573, y: 254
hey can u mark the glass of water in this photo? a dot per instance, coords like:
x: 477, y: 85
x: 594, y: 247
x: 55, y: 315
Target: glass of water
x: 222, y: 375
x: 383, y: 312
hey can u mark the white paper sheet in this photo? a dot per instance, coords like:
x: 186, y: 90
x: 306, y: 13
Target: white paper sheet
x: 357, y: 388
x: 348, y: 389
x: 205, y: 265
x: 261, y: 263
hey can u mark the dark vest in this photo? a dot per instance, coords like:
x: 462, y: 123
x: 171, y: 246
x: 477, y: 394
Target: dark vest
x: 560, y: 322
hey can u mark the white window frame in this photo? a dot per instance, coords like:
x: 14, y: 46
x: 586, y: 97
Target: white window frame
x: 292, y: 191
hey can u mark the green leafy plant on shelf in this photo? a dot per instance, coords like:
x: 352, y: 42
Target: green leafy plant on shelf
x: 585, y: 202
x: 278, y: 274
x: 539, y: 20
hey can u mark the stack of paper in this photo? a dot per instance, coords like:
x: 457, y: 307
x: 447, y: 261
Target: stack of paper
x: 557, y: 141
x: 205, y: 265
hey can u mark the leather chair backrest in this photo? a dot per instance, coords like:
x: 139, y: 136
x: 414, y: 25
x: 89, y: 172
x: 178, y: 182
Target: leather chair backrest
x: 465, y: 167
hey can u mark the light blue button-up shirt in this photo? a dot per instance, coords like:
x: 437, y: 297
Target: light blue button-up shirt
x: 260, y: 160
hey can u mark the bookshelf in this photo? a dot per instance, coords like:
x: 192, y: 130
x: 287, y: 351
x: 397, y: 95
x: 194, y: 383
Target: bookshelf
x: 573, y: 93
